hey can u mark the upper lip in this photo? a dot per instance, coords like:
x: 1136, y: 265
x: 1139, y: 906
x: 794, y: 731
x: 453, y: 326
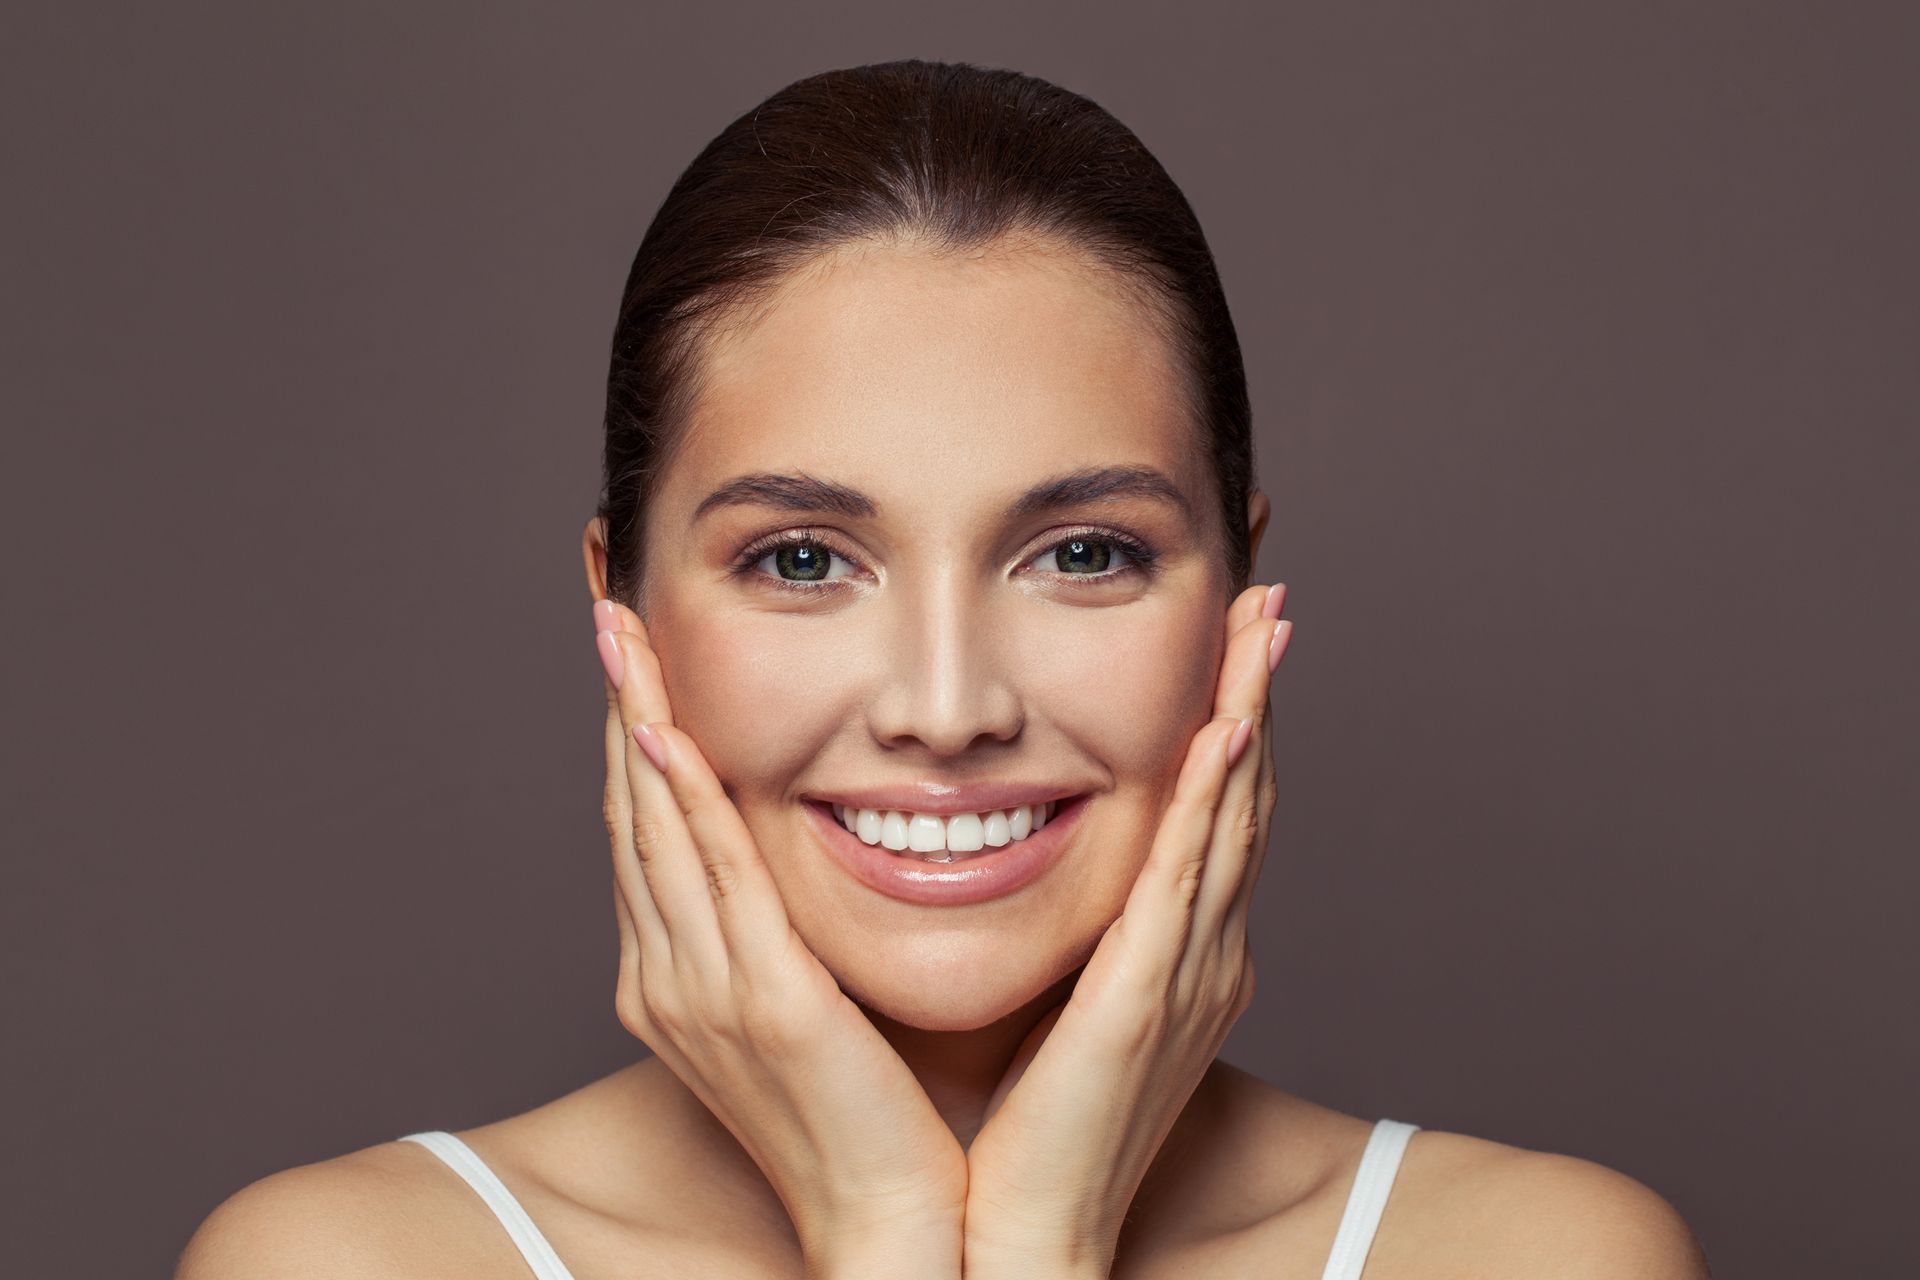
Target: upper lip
x: 946, y: 799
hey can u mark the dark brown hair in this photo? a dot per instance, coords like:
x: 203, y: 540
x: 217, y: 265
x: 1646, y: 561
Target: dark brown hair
x: 950, y: 154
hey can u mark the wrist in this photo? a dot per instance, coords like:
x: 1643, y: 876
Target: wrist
x: 1036, y: 1257
x: 902, y: 1249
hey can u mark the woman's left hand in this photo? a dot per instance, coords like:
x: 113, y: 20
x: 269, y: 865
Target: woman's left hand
x: 1097, y: 1086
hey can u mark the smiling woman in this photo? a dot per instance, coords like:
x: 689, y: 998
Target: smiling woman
x: 939, y: 766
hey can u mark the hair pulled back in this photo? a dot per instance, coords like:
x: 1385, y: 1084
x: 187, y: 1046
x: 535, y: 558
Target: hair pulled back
x: 951, y: 155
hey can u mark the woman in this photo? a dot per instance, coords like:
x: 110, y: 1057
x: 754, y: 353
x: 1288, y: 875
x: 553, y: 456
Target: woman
x: 939, y: 767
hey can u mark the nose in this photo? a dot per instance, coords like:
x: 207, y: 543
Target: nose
x: 949, y: 685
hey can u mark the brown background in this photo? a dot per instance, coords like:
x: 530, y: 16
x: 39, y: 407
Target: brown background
x: 1581, y: 340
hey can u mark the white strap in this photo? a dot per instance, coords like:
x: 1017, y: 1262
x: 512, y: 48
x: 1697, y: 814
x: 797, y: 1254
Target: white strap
x: 1371, y: 1183
x: 466, y: 1162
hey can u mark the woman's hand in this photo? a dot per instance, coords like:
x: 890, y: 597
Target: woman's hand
x: 1094, y: 1090
x: 716, y: 982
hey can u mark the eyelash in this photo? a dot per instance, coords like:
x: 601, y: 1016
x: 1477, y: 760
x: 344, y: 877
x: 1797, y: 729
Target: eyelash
x: 1140, y: 556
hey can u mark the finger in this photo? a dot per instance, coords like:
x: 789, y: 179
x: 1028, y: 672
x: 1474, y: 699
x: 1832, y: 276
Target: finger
x: 1256, y: 602
x: 643, y: 688
x: 661, y: 845
x: 1245, y: 608
x: 636, y: 904
x: 1235, y: 930
x: 623, y: 926
x: 1161, y: 900
x: 752, y: 917
x: 630, y: 961
x: 651, y: 943
x: 611, y: 615
x: 1244, y: 681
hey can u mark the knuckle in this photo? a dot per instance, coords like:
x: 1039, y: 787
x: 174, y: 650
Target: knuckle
x: 1187, y: 884
x: 1243, y: 820
x: 764, y: 1021
x: 649, y: 836
x: 1243, y: 990
x: 631, y: 1010
x: 660, y: 1005
x: 723, y: 878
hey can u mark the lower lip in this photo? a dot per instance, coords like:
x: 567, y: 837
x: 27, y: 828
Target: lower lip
x: 978, y: 877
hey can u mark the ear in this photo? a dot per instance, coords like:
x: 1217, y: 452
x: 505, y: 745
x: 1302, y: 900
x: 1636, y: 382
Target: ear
x: 1258, y: 509
x: 593, y: 549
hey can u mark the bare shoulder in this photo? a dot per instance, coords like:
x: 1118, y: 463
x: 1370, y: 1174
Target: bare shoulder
x: 1469, y: 1206
x: 1459, y: 1208
x: 379, y: 1213
x: 395, y: 1209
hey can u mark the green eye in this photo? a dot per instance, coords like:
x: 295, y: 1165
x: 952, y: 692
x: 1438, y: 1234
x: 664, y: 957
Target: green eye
x: 1082, y: 555
x: 795, y: 560
x: 803, y: 562
x: 1096, y: 555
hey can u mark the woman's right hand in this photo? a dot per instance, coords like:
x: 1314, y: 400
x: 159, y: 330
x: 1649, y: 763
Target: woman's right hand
x: 716, y: 982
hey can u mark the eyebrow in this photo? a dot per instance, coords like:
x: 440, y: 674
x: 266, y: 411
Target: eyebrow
x: 807, y: 494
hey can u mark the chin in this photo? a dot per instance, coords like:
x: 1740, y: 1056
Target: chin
x: 937, y: 989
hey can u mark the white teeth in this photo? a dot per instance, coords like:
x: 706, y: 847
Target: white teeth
x: 927, y: 835
x: 965, y: 832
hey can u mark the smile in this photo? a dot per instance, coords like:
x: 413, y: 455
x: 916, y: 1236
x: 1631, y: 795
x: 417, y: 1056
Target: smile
x: 942, y: 838
x: 951, y: 859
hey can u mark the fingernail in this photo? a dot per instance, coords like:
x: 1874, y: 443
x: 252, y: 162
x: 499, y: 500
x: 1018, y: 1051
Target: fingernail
x: 610, y: 656
x: 1278, y: 645
x: 1276, y: 595
x: 650, y: 743
x: 1239, y: 743
x: 605, y: 616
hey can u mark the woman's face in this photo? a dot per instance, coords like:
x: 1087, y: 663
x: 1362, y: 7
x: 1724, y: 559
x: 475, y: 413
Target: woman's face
x: 932, y: 630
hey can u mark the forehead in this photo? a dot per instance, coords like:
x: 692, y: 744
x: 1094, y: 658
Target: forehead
x: 914, y: 374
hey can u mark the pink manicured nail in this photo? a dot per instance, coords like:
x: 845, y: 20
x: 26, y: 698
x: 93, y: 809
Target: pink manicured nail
x: 1276, y: 595
x: 610, y: 656
x: 606, y: 617
x: 1239, y: 743
x: 1278, y: 645
x: 650, y: 743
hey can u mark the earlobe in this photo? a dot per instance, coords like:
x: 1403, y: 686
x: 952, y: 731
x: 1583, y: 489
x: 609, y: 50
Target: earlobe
x: 593, y: 550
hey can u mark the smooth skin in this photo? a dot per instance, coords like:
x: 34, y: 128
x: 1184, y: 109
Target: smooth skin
x: 843, y: 1084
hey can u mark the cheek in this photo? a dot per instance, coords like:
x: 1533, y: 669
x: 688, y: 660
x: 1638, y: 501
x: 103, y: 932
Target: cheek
x: 1138, y: 691
x: 758, y: 693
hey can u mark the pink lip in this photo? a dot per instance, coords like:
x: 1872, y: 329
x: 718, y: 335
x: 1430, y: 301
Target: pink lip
x: 977, y: 877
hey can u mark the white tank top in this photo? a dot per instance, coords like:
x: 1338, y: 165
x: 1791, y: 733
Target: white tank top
x: 1374, y: 1179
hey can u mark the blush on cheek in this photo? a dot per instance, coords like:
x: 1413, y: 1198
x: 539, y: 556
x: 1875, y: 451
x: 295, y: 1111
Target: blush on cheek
x: 1154, y: 690
x: 759, y: 694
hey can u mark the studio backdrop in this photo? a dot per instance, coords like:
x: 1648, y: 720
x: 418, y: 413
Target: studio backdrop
x: 1580, y: 340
